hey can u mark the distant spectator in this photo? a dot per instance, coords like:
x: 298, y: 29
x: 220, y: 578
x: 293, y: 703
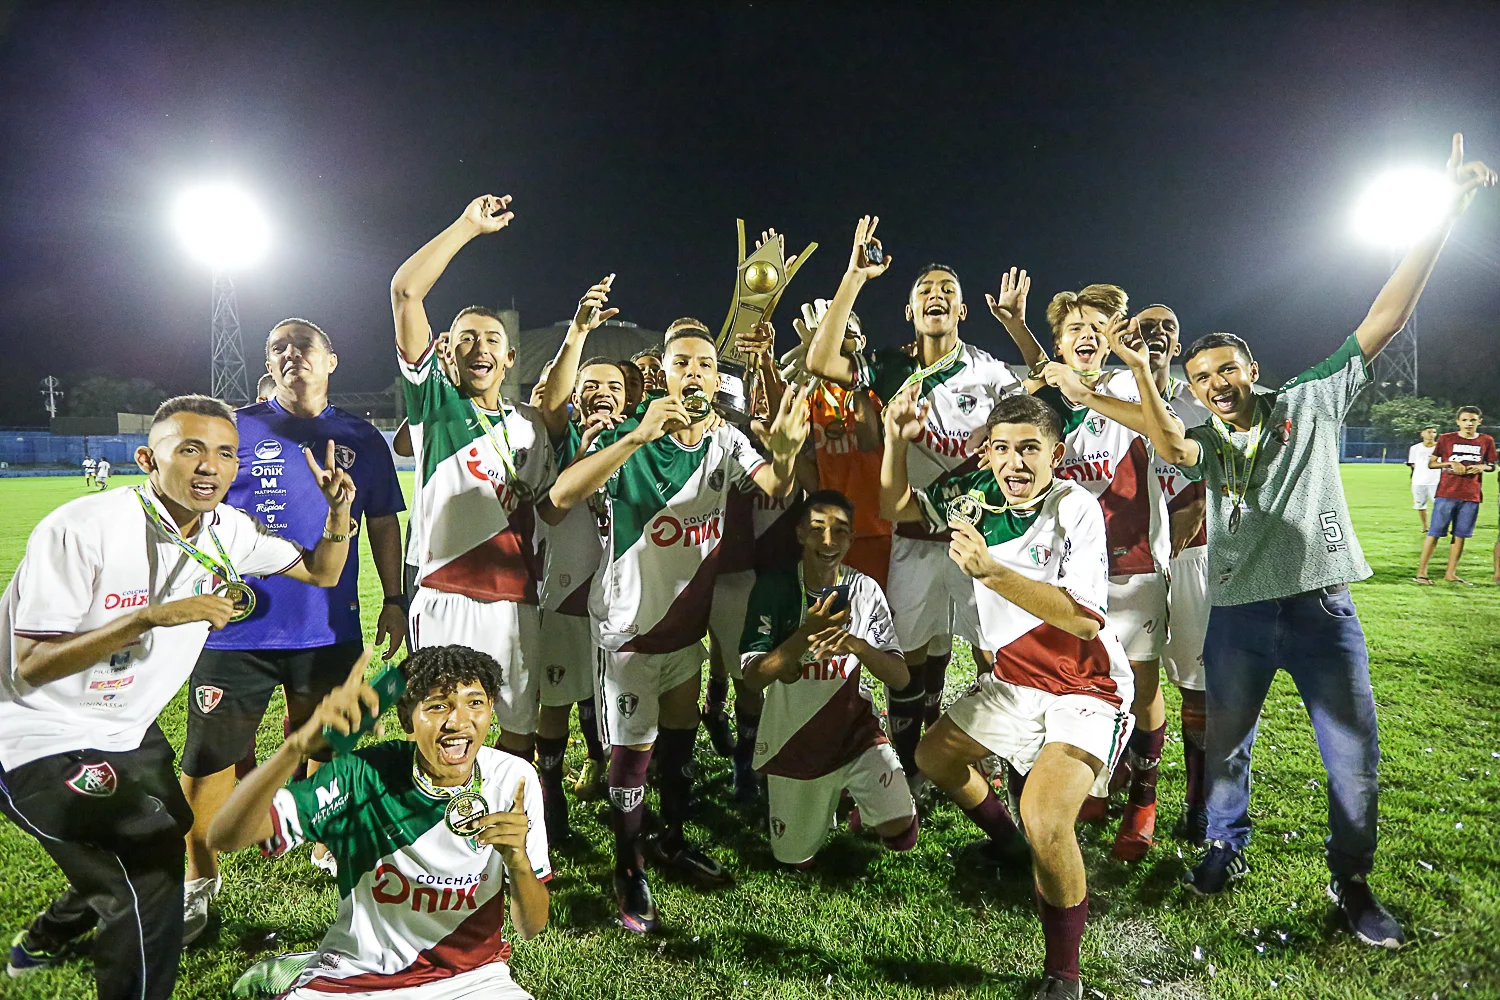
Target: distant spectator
x: 1424, y: 478
x: 1464, y: 457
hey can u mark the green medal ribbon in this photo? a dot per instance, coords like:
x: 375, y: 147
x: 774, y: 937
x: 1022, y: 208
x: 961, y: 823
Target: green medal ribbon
x: 917, y: 376
x: 1235, y: 486
x: 233, y: 586
x: 502, y: 444
x: 466, y: 803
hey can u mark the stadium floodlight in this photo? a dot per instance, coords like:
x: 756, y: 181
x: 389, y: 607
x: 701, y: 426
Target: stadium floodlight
x: 1401, y: 206
x: 221, y: 225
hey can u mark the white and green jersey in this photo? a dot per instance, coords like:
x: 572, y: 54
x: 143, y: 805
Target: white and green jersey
x: 480, y: 473
x: 1114, y: 463
x: 572, y: 548
x: 666, y: 522
x: 418, y: 903
x: 959, y: 396
x: 1060, y: 541
x: 826, y: 719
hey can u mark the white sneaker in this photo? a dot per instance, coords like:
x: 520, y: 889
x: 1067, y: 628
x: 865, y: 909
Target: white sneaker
x: 325, y: 861
x: 196, y: 895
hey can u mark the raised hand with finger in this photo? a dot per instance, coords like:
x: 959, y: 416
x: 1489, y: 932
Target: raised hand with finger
x: 336, y: 484
x: 906, y: 415
x: 591, y: 314
x: 1467, y: 178
x: 506, y: 831
x: 1010, y: 305
x: 489, y: 213
x: 868, y: 258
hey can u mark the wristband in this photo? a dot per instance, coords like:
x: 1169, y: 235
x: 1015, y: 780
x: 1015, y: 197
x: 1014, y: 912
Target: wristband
x: 398, y: 600
x: 329, y: 536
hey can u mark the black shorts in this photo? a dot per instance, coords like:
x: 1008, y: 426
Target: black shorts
x: 230, y: 688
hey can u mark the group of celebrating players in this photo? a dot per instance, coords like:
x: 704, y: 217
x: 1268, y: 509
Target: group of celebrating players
x: 1083, y: 530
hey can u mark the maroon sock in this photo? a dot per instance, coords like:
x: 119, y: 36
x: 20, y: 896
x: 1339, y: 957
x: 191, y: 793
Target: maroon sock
x: 588, y: 721
x: 550, y: 751
x: 905, y: 840
x: 627, y: 797
x: 1193, y: 758
x: 674, y: 776
x: 905, y: 714
x: 718, y: 694
x: 746, y: 726
x: 992, y: 817
x: 1062, y: 929
x: 1145, y: 756
x: 935, y: 679
x: 528, y: 754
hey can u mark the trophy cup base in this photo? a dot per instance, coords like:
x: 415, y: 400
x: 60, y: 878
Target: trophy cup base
x: 732, y: 399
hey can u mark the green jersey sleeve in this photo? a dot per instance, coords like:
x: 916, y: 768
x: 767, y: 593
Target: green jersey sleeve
x: 320, y: 807
x: 883, y: 370
x: 425, y: 386
x: 1331, y: 386
x: 933, y: 500
x: 772, y: 614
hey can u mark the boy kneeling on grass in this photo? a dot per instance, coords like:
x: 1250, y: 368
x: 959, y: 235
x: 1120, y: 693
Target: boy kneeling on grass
x: 428, y: 833
x: 1055, y: 704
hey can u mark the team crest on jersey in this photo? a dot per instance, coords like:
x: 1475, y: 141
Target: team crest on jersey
x: 343, y: 456
x: 1095, y: 424
x: 965, y: 403
x: 627, y: 704
x: 1039, y: 554
x: 716, y: 480
x: 97, y: 781
x: 555, y: 674
x: 778, y: 828
x: 207, y: 697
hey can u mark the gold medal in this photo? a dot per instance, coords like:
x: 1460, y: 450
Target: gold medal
x: 966, y: 509
x: 463, y: 813
x: 242, y: 597
x: 834, y: 430
x: 697, y: 405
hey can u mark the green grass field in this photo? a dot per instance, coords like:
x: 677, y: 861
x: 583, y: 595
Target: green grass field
x: 866, y: 924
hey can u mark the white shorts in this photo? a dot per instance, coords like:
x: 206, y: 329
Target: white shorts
x: 1138, y: 611
x: 802, y: 809
x: 930, y: 596
x: 566, y: 649
x: 1422, y: 494
x: 726, y: 616
x: 1183, y: 657
x: 1015, y: 722
x: 630, y: 687
x: 488, y: 982
x: 504, y: 629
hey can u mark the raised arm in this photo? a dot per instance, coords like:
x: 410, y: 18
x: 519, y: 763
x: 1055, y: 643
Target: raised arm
x: 1398, y: 299
x: 589, y: 315
x: 825, y: 356
x: 415, y: 278
x: 588, y: 473
x: 1009, y: 307
x: 1164, y: 430
x: 904, y: 419
x: 784, y: 440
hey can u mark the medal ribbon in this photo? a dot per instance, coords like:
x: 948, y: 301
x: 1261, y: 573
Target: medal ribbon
x: 978, y: 497
x: 502, y: 443
x: 840, y: 410
x: 1229, y: 455
x: 426, y: 787
x: 223, y: 570
x: 921, y: 373
x: 838, y: 578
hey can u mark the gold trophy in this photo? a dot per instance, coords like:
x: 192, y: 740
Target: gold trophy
x: 759, y: 282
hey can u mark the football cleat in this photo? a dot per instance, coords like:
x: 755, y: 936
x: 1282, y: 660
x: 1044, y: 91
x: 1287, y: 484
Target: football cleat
x: 593, y: 781
x: 1054, y: 988
x: 719, y: 736
x: 637, y: 909
x: 688, y: 863
x: 1134, y: 837
x: 1368, y: 920
x: 326, y: 861
x: 1220, y: 866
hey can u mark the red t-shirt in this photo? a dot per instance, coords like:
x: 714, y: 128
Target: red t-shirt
x: 1452, y: 447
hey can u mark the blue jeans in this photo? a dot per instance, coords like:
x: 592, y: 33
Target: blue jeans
x: 1318, y: 640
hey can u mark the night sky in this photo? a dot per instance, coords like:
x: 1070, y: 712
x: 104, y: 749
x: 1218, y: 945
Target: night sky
x: 1203, y: 158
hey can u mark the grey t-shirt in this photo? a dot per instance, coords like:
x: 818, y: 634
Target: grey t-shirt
x: 1296, y: 535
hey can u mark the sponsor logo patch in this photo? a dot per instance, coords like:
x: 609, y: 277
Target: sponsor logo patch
x: 207, y: 697
x: 97, y: 781
x: 268, y: 449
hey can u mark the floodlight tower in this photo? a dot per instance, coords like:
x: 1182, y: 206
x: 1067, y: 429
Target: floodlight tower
x: 1397, y: 209
x: 223, y: 227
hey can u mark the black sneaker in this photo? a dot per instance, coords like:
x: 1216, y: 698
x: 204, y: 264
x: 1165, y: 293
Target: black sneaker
x: 719, y: 736
x: 24, y: 960
x: 1220, y: 866
x: 556, y: 816
x: 688, y: 863
x: 1369, y: 921
x: 1192, y: 826
x: 637, y: 908
x: 746, y: 784
x: 1010, y: 856
x: 1053, y: 988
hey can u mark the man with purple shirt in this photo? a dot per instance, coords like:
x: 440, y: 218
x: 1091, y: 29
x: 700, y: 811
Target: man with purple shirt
x: 296, y: 637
